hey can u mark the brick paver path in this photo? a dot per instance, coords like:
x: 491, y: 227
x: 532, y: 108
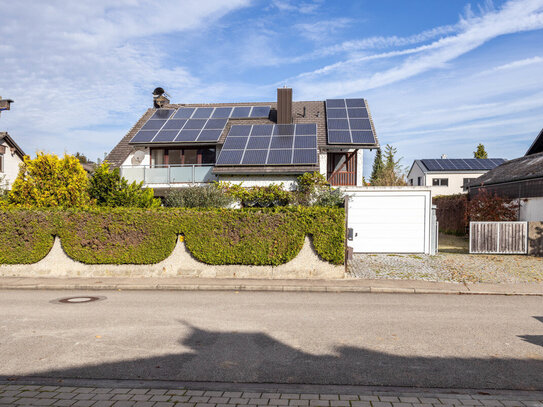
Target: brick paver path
x: 27, y: 395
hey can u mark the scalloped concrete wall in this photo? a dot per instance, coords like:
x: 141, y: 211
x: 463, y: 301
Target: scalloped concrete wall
x: 180, y: 262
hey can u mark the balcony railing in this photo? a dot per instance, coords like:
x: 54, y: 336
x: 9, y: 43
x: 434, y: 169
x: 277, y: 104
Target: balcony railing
x: 168, y: 174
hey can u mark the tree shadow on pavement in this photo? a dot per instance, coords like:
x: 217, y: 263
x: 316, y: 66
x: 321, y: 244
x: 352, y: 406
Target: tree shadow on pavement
x: 253, y: 357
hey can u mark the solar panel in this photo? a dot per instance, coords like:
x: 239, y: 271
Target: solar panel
x: 187, y: 136
x: 270, y: 145
x: 260, y: 112
x: 280, y: 157
x: 162, y: 114
x: 165, y: 136
x: 240, y: 112
x: 462, y: 164
x: 197, y: 124
x: 184, y: 113
x: 222, y: 112
x: 363, y: 137
x: 348, y: 122
x: 203, y: 113
x: 252, y: 157
x: 153, y: 124
x: 144, y: 136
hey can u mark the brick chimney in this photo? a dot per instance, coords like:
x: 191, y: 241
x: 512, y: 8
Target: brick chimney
x: 284, y: 105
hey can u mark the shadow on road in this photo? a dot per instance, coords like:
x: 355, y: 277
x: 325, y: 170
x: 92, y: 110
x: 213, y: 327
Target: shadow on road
x: 535, y: 339
x: 259, y: 358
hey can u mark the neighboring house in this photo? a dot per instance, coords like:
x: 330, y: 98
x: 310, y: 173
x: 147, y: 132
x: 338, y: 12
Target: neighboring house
x: 178, y: 145
x: 521, y: 178
x: 11, y: 156
x: 449, y: 176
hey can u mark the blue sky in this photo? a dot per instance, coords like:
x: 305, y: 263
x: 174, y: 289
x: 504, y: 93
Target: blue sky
x: 440, y: 75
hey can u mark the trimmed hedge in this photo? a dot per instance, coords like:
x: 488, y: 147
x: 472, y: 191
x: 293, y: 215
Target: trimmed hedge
x: 146, y: 236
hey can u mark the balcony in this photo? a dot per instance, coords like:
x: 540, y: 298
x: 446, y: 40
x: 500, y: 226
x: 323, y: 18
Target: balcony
x: 168, y: 174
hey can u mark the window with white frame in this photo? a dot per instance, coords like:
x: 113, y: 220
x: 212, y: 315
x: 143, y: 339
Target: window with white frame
x: 440, y: 182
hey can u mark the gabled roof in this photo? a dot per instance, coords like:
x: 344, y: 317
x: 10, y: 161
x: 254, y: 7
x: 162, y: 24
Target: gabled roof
x: 302, y: 112
x: 523, y: 168
x: 459, y: 164
x: 5, y: 137
x: 537, y: 145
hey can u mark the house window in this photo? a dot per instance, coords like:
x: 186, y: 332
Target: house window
x: 465, y: 182
x: 440, y: 182
x: 410, y: 181
x: 419, y: 181
x: 182, y: 156
x: 1, y: 163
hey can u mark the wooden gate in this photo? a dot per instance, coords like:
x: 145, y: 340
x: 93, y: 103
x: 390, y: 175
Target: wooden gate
x: 498, y: 237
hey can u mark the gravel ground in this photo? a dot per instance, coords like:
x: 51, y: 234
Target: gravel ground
x: 453, y: 263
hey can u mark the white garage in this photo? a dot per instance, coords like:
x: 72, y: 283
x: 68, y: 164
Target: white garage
x: 390, y: 220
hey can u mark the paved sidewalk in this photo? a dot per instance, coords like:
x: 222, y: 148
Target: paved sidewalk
x: 169, y: 394
x: 220, y: 284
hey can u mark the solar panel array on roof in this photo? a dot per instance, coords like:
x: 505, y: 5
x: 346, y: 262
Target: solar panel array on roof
x: 348, y: 122
x: 194, y: 124
x: 462, y: 164
x: 270, y: 144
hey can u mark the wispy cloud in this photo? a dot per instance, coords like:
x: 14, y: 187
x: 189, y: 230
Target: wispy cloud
x: 514, y: 17
x: 514, y: 65
x: 324, y: 29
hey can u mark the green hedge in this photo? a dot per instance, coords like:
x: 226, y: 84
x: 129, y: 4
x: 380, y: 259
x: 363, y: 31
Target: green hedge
x: 146, y: 236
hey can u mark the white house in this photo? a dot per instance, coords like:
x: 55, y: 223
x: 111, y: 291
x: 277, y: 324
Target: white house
x: 449, y: 176
x: 11, y: 155
x: 176, y: 145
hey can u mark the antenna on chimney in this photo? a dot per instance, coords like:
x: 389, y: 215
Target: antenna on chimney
x: 160, y: 98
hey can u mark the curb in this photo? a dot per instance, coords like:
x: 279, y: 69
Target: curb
x: 258, y: 288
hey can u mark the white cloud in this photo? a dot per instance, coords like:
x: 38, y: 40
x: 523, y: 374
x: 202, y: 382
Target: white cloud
x: 514, y: 65
x: 73, y: 65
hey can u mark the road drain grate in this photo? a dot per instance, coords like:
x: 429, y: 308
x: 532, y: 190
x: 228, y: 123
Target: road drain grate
x: 78, y: 300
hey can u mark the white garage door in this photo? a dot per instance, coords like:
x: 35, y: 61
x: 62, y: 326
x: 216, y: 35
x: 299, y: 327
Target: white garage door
x: 389, y: 223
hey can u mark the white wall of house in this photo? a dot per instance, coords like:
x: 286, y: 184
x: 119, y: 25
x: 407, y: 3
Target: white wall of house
x: 323, y: 164
x: 130, y: 159
x: 455, y: 180
x: 10, y: 166
x: 531, y: 209
x: 359, y: 167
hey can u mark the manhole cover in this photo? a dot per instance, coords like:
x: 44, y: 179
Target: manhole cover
x: 78, y: 300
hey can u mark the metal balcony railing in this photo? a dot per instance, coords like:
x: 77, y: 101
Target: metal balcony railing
x: 168, y: 174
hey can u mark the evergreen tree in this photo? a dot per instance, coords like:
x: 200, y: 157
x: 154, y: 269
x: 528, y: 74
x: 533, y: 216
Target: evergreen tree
x: 377, y: 169
x: 392, y: 173
x: 481, y: 152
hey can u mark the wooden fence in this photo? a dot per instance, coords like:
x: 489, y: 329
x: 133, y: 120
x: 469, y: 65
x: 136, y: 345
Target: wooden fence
x: 498, y: 237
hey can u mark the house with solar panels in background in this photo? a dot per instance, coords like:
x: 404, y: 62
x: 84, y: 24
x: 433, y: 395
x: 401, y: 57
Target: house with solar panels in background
x: 178, y: 145
x: 447, y: 176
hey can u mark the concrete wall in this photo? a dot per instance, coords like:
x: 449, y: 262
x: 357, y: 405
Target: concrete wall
x: 531, y: 209
x: 535, y: 239
x: 10, y: 167
x: 306, y: 264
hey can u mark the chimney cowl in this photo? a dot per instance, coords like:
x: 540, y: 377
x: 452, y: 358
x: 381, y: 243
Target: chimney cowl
x: 160, y: 98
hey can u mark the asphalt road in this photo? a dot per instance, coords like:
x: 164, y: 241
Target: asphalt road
x: 310, y: 338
